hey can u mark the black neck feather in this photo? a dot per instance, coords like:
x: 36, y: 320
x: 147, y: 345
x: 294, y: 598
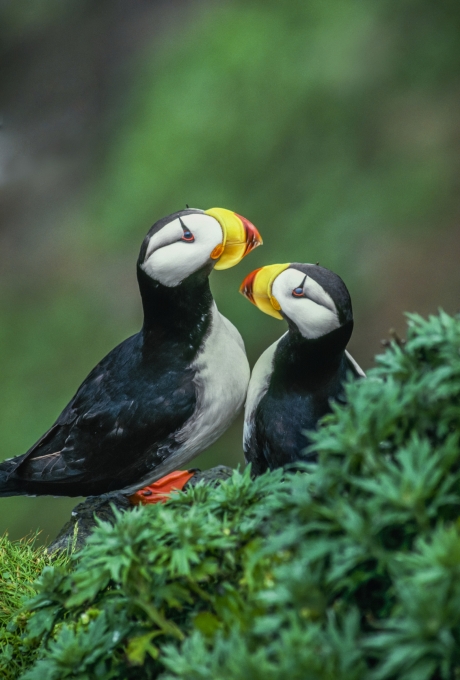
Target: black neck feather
x: 179, y: 314
x: 302, y: 362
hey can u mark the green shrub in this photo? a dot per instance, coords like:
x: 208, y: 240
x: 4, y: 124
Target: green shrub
x: 347, y: 569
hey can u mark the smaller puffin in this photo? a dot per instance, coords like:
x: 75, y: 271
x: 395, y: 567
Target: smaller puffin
x: 295, y: 379
x: 164, y: 394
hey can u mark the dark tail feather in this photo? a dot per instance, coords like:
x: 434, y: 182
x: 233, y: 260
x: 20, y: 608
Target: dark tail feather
x: 9, y: 483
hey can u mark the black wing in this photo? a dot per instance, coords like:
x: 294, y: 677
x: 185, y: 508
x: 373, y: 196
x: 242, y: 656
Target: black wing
x: 119, y: 425
x: 277, y: 433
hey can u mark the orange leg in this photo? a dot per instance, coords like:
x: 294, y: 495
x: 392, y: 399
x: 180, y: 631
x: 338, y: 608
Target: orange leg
x: 159, y: 491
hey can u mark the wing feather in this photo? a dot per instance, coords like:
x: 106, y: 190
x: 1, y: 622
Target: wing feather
x: 355, y: 367
x: 118, y: 422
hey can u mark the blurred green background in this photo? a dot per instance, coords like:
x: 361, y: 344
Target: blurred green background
x: 333, y: 126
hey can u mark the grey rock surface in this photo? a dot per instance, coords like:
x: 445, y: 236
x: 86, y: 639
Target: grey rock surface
x: 82, y: 521
x: 213, y: 476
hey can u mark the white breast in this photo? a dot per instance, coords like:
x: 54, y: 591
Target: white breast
x: 222, y: 377
x: 258, y: 385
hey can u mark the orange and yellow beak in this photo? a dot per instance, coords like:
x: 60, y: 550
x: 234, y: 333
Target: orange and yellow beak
x: 240, y: 237
x: 257, y: 288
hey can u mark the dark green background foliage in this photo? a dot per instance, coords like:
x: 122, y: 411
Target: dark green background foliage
x: 347, y: 570
x: 333, y: 126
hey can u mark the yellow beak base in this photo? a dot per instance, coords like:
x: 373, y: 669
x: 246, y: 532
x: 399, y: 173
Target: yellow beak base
x: 257, y: 288
x: 240, y: 237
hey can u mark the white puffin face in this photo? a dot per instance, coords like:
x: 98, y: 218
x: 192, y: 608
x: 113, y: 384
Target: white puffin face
x: 181, y: 248
x: 306, y: 303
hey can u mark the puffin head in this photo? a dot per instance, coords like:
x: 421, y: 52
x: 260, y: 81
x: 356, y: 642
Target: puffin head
x: 192, y: 240
x: 312, y: 299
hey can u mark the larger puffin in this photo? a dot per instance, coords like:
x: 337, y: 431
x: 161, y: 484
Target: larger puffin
x: 295, y: 379
x: 164, y: 394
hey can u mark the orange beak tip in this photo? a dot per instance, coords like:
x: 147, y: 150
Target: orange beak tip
x: 247, y: 286
x: 253, y: 238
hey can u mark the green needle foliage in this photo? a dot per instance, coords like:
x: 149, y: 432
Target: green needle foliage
x: 348, y: 569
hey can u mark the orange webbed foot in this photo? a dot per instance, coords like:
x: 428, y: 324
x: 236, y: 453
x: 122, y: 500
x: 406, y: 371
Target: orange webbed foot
x: 159, y: 491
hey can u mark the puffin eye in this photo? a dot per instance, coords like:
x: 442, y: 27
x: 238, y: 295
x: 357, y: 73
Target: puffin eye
x: 298, y: 292
x: 188, y: 236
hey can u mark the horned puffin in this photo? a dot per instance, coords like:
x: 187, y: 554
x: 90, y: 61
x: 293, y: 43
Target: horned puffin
x: 164, y: 394
x: 295, y: 379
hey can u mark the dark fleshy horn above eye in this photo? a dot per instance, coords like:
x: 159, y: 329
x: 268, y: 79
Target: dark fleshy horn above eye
x: 187, y: 235
x: 298, y: 292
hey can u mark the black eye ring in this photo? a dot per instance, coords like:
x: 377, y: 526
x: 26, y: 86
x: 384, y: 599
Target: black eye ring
x: 188, y: 236
x: 298, y: 292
